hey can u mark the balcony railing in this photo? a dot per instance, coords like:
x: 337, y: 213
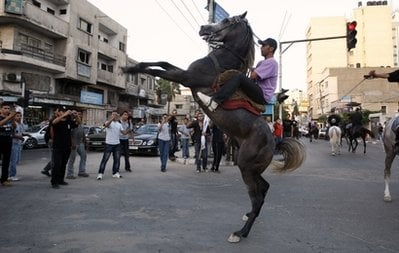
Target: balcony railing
x: 40, y: 54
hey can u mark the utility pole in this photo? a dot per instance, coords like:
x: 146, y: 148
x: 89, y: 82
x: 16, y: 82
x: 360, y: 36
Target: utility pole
x: 211, y: 4
x: 280, y: 76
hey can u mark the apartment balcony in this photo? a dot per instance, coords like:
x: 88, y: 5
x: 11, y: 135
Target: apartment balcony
x: 107, y: 51
x: 33, y: 57
x: 36, y: 19
x: 106, y: 77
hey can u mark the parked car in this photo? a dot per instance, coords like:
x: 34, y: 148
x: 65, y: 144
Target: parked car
x: 96, y: 140
x: 303, y: 131
x: 323, y: 133
x: 145, y: 140
x: 34, y: 136
x: 91, y: 129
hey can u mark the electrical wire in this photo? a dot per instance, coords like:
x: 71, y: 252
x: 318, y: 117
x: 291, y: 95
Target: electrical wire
x: 203, y: 20
x: 184, y: 16
x: 174, y: 21
x: 191, y: 14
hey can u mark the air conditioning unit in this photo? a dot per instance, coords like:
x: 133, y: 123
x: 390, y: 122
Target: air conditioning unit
x: 12, y: 77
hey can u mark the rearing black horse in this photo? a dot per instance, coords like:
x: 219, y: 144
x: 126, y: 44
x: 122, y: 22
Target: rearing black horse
x: 234, y: 49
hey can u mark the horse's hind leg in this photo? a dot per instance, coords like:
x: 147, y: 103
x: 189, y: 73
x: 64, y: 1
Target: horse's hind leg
x: 252, y: 162
x: 257, y: 190
x: 390, y: 155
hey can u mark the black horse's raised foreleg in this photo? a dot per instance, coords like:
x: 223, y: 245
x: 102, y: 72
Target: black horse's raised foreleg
x: 161, y: 69
x: 167, y: 71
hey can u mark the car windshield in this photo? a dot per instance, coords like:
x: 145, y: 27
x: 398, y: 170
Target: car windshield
x: 91, y: 130
x: 33, y: 129
x: 147, y: 129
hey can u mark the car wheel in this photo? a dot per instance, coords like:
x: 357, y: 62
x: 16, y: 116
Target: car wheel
x: 30, y: 143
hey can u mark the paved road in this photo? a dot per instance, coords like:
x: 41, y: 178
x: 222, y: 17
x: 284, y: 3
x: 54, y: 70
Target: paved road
x: 330, y: 204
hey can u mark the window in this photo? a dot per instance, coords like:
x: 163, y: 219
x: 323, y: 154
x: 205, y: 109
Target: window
x: 110, y: 68
x: 122, y: 47
x: 85, y: 26
x: 103, y: 66
x: 83, y: 56
x: 63, y: 12
x: 51, y: 11
x: 36, y: 3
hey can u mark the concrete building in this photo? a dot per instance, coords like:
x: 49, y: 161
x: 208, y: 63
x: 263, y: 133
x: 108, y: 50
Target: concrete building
x: 332, y: 71
x: 67, y: 53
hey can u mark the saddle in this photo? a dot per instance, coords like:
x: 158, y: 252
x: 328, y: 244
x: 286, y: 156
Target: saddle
x: 239, y: 98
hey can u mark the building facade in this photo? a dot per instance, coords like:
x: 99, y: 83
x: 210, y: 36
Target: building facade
x: 67, y: 53
x: 332, y: 71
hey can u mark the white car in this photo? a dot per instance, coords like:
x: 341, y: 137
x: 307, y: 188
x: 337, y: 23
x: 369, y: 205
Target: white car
x: 34, y: 136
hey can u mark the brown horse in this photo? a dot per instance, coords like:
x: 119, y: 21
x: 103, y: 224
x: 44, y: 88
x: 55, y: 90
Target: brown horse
x: 233, y: 44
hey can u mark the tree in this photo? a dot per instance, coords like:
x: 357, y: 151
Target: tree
x: 168, y: 88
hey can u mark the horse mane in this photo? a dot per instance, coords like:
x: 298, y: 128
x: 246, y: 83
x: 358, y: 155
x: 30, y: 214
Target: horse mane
x: 250, y: 56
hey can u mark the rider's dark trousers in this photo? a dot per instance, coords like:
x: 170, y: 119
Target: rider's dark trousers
x: 239, y: 80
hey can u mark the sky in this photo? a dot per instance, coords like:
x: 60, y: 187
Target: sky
x: 167, y: 30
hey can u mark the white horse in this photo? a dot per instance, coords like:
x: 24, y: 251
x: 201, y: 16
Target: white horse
x: 390, y: 154
x: 334, y: 132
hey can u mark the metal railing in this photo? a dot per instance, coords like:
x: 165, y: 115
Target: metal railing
x: 41, y: 54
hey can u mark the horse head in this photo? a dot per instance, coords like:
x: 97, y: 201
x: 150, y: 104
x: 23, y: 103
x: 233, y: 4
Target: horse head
x: 218, y: 32
x: 234, y: 35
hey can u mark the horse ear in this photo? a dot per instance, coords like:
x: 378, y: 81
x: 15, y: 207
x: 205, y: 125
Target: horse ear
x: 243, y: 15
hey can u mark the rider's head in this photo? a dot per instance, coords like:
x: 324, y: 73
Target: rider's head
x: 269, y: 42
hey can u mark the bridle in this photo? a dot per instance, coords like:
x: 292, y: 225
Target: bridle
x: 215, y: 44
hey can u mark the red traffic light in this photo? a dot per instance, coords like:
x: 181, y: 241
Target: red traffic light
x: 352, y: 25
x: 351, y: 35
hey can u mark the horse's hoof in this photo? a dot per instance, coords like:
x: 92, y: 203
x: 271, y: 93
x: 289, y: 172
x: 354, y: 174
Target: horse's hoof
x: 244, y: 217
x: 387, y: 199
x: 333, y: 154
x: 234, y: 238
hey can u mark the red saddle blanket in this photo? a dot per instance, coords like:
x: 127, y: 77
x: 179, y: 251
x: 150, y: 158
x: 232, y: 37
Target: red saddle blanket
x: 239, y: 100
x: 233, y: 104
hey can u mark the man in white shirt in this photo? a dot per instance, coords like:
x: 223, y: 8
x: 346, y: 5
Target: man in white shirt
x: 112, y: 145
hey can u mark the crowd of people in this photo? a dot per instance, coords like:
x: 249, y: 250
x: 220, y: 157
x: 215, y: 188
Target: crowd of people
x: 67, y: 141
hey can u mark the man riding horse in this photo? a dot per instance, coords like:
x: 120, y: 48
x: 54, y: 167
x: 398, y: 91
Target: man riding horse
x: 355, y: 122
x: 334, y: 120
x: 260, y: 86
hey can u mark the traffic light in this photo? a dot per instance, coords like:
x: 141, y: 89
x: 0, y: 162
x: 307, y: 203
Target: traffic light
x: 282, y: 96
x: 26, y: 98
x: 351, y: 35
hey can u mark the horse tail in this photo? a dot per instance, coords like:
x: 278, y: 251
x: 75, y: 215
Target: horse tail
x: 294, y: 154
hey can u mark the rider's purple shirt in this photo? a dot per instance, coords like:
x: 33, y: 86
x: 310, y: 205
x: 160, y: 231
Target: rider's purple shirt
x: 267, y: 71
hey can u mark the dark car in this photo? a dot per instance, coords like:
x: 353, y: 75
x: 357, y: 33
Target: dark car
x: 91, y: 129
x: 96, y: 140
x: 145, y: 140
x: 34, y: 137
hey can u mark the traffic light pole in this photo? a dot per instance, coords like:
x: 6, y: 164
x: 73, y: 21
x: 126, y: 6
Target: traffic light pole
x: 291, y: 42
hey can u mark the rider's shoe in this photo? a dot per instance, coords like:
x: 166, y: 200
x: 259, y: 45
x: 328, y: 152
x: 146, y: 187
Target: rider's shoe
x: 208, y: 101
